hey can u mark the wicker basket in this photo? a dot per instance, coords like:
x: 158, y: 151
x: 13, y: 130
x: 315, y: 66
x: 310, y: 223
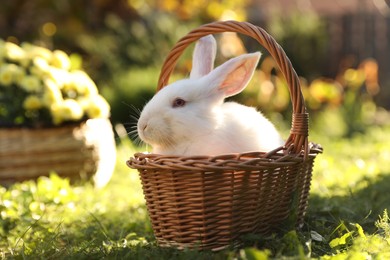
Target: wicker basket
x: 80, y: 150
x: 210, y: 202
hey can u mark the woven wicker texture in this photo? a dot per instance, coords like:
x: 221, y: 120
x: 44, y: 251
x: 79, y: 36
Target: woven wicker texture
x: 72, y: 151
x: 210, y: 202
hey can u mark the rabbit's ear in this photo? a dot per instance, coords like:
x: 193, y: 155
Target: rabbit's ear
x: 203, y: 57
x: 232, y: 77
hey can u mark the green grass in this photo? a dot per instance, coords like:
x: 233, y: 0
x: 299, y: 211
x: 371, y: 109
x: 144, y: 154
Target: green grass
x: 346, y: 218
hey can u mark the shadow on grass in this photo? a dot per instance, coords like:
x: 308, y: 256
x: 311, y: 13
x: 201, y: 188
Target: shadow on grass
x: 117, y: 236
x: 125, y: 234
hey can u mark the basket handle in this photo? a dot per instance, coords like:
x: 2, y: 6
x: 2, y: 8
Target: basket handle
x: 297, y: 142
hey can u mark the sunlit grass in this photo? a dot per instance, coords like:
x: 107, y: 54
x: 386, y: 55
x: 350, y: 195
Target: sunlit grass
x: 346, y: 162
x: 53, y: 219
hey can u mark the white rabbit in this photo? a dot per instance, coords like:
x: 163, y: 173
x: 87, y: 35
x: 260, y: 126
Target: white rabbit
x: 189, y: 117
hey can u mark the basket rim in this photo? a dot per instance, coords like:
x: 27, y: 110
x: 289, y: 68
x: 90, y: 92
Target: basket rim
x: 297, y: 142
x: 231, y: 162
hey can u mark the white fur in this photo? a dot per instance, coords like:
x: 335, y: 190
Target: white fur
x: 206, y: 125
x: 203, y: 57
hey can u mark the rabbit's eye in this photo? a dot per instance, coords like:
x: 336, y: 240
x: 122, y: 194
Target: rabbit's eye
x: 178, y: 102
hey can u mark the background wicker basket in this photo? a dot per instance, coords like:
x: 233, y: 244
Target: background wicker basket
x: 78, y: 150
x: 210, y: 202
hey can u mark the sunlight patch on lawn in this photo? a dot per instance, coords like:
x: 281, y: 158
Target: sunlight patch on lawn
x: 346, y: 164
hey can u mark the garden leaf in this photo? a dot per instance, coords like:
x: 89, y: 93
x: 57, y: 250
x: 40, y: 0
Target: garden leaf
x: 340, y: 240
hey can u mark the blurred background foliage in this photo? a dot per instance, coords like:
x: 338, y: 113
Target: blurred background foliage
x: 122, y: 44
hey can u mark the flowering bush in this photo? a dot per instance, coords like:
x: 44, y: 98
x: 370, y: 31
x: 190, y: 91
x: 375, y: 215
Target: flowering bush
x: 349, y: 98
x: 38, y: 87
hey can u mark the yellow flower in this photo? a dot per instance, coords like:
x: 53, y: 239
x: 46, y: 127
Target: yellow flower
x: 52, y: 94
x: 14, y: 52
x: 60, y: 60
x: 36, y: 51
x: 67, y: 110
x: 97, y: 107
x: 6, y: 77
x: 31, y: 84
x: 46, y: 78
x: 40, y: 67
x: 354, y: 78
x: 60, y: 77
x: 10, y: 73
x: 324, y: 90
x: 18, y: 73
x: 32, y: 103
x: 82, y: 83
